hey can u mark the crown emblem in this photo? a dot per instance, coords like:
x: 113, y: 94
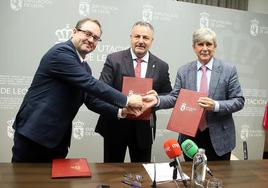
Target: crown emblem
x: 147, y: 13
x: 10, y: 122
x: 244, y: 134
x: 63, y: 34
x: 204, y: 19
x: 79, y: 123
x: 84, y: 7
x: 254, y: 27
x: 254, y: 21
x: 10, y: 130
x: 78, y: 130
x: 16, y: 5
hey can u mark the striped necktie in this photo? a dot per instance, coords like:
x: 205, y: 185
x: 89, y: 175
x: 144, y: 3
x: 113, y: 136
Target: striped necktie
x: 138, y: 68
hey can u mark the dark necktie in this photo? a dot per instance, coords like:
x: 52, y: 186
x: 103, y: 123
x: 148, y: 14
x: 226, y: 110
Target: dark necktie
x: 138, y: 68
x: 88, y: 69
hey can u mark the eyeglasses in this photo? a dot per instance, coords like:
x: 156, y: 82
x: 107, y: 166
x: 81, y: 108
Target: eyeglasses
x: 133, y: 180
x: 90, y: 34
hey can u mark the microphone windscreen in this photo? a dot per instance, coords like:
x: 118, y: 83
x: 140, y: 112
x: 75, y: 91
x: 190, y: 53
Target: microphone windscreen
x: 172, y: 148
x: 189, y: 148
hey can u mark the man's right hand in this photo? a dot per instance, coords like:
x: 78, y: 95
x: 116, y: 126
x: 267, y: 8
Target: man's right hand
x: 134, y: 101
x: 149, y: 101
x: 133, y: 111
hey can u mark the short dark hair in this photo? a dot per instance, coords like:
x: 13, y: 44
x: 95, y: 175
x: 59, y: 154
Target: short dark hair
x: 82, y: 21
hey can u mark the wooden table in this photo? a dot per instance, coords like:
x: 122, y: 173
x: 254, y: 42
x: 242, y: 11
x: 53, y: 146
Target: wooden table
x: 235, y: 174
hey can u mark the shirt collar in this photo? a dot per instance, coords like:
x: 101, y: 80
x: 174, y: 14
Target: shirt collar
x: 208, y: 65
x: 144, y: 58
x: 80, y: 57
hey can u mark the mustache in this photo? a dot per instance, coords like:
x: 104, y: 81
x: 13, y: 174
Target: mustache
x: 140, y: 45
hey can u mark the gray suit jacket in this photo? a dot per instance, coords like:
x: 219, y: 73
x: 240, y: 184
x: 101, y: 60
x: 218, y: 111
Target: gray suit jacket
x: 225, y: 88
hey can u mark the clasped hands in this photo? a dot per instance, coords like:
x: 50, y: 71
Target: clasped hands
x: 137, y: 104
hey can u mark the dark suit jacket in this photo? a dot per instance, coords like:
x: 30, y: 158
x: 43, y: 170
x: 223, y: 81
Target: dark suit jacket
x: 56, y: 93
x: 225, y: 88
x: 117, y: 66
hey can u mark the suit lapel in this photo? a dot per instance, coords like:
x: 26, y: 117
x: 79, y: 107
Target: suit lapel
x: 215, y: 76
x: 193, y: 76
x: 150, y: 67
x: 128, y: 63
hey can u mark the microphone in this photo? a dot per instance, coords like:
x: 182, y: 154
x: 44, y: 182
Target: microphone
x: 173, y: 151
x: 245, y: 150
x: 189, y: 148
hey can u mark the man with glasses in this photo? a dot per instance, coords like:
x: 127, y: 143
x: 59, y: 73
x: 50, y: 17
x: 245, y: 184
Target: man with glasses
x: 62, y: 83
x: 136, y: 135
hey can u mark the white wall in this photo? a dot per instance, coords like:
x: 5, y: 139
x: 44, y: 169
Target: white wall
x: 258, y: 6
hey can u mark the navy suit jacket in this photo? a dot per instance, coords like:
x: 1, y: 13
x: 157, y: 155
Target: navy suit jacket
x: 118, y: 65
x: 225, y: 88
x: 58, y: 89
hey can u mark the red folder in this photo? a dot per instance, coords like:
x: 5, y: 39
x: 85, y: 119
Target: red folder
x: 265, y: 118
x: 62, y: 168
x: 187, y: 114
x: 134, y: 85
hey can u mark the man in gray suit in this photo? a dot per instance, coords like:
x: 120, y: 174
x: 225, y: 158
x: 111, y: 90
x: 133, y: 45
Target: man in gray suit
x: 225, y: 97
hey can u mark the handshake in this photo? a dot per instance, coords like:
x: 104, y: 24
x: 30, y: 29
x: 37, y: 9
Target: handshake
x: 137, y: 104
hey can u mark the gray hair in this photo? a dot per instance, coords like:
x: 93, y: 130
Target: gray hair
x: 146, y: 24
x: 204, y: 34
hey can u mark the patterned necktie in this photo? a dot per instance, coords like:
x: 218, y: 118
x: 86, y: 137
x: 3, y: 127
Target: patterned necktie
x: 203, y: 81
x: 203, y: 89
x: 138, y: 68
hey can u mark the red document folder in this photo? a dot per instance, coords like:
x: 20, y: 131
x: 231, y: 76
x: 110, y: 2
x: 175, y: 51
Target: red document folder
x: 134, y: 85
x: 265, y: 118
x: 63, y: 168
x: 186, y: 115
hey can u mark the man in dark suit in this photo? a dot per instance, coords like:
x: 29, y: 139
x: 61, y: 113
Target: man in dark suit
x: 217, y: 135
x: 62, y: 83
x: 119, y: 133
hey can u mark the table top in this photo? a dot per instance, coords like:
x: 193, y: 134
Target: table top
x: 235, y: 174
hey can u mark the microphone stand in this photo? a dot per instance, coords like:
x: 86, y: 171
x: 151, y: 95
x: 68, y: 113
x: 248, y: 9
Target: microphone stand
x: 174, y: 176
x: 152, y: 127
x: 175, y: 170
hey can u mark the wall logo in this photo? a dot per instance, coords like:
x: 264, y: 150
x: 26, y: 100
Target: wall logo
x: 254, y: 27
x: 247, y: 133
x: 204, y: 19
x: 10, y: 130
x: 244, y: 132
x: 84, y: 7
x: 63, y: 34
x: 147, y: 13
x: 16, y: 4
x: 78, y: 130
